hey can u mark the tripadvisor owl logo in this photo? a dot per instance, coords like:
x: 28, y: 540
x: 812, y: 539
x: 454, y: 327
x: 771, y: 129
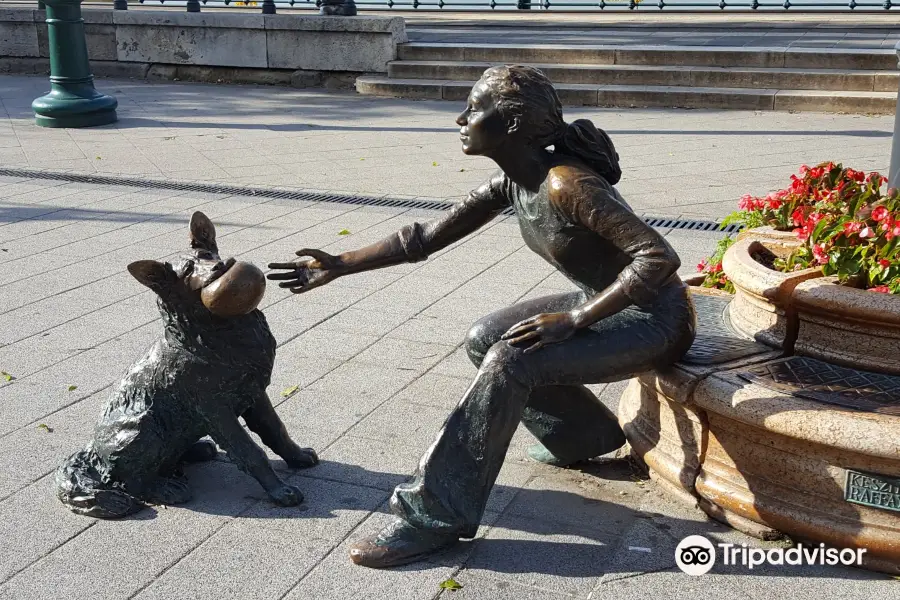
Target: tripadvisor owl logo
x: 696, y: 555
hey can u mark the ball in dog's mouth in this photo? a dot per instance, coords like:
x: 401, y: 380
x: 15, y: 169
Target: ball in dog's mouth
x: 235, y: 292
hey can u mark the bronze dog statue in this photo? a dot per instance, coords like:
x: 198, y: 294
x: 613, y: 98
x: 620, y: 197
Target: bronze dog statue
x: 211, y: 366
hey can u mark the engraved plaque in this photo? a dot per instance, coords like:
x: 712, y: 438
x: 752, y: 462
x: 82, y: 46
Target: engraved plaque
x: 877, y: 491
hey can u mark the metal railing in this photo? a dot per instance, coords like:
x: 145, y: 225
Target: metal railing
x: 271, y: 6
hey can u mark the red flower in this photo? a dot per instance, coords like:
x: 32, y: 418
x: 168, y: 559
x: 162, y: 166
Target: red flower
x: 701, y: 265
x: 716, y: 268
x: 855, y: 175
x: 881, y: 289
x: 880, y: 214
x: 814, y: 218
x: 866, y: 232
x: 885, y: 263
x: 798, y: 216
x: 818, y: 251
x: 852, y: 227
x: 875, y: 179
x: 773, y: 202
x: 803, y: 170
x: 798, y: 186
x: 817, y: 172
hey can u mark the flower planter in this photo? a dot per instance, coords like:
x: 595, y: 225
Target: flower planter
x: 774, y: 462
x: 762, y: 295
x: 848, y: 326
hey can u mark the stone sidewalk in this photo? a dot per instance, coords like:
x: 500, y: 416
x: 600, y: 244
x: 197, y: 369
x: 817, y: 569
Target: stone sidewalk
x: 694, y: 163
x: 375, y: 358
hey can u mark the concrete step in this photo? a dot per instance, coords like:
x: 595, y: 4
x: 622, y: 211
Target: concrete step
x: 668, y: 55
x: 654, y: 96
x: 724, y: 77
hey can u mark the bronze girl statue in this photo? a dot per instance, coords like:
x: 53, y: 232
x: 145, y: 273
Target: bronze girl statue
x: 630, y: 314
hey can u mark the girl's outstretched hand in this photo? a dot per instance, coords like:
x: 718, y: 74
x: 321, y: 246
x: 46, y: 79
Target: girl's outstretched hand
x: 540, y: 330
x: 304, y: 274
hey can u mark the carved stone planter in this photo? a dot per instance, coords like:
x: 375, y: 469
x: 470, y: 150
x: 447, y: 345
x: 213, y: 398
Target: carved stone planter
x: 787, y: 454
x: 779, y: 445
x: 848, y: 326
x: 762, y: 294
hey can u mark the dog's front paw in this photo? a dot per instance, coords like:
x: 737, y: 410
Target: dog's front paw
x: 302, y: 458
x: 286, y: 495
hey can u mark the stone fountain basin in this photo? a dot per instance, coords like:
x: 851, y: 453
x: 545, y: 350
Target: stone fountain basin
x: 776, y: 460
x: 767, y: 442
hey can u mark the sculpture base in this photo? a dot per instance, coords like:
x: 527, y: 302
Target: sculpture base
x: 773, y: 446
x: 65, y: 109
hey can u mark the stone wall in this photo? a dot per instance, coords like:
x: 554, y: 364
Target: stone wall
x: 301, y: 50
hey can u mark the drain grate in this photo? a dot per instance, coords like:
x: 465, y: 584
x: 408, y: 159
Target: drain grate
x: 312, y: 196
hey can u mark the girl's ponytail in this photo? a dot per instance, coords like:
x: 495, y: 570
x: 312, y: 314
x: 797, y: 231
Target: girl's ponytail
x: 583, y: 140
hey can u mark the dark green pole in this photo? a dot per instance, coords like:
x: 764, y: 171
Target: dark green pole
x: 72, y: 101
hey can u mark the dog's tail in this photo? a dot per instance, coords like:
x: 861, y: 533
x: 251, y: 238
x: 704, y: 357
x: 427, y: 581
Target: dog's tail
x: 80, y: 486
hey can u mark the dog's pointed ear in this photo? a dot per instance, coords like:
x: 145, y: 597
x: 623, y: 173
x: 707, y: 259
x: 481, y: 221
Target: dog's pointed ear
x: 155, y: 275
x: 203, y: 233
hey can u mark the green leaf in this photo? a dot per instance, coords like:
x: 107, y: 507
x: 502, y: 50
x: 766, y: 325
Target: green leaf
x: 462, y: 170
x: 450, y: 584
x: 98, y: 158
x: 45, y: 427
x: 344, y: 232
x: 434, y: 164
x: 288, y: 392
x: 6, y: 376
x: 72, y: 388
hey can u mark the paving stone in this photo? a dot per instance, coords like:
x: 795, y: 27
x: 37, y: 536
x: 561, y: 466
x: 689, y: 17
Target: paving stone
x: 456, y: 365
x: 31, y: 452
x: 330, y: 510
x: 432, y: 389
x: 32, y: 523
x: 366, y: 322
x: 115, y: 559
x: 482, y: 586
x: 367, y: 462
x: 250, y: 563
x: 431, y: 329
x: 601, y: 496
x: 564, y: 559
x: 397, y: 421
x: 403, y: 355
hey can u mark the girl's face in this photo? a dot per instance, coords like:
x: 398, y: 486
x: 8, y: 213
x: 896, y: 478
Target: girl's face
x: 482, y: 128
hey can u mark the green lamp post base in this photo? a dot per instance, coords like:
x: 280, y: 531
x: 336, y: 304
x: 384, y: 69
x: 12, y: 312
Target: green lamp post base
x: 84, y: 107
x: 72, y: 101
